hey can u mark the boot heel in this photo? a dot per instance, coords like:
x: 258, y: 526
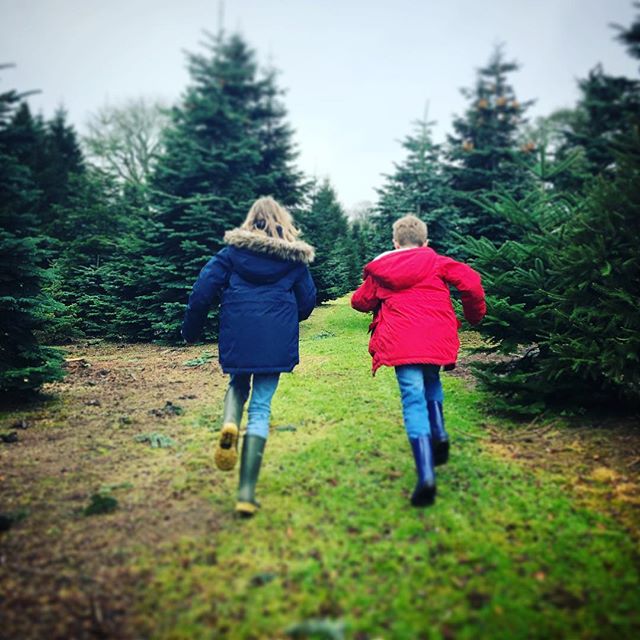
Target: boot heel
x: 440, y: 453
x: 226, y: 454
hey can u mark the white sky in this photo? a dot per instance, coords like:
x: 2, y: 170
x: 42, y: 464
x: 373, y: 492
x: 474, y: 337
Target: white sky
x: 357, y: 72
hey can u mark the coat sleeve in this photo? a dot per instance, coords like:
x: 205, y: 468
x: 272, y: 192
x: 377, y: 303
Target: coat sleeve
x: 468, y: 282
x: 365, y: 297
x: 305, y: 292
x: 212, y: 279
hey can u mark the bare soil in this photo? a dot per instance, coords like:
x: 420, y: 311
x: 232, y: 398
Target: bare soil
x: 63, y: 574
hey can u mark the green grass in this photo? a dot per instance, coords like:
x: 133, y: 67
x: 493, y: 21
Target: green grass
x: 504, y: 553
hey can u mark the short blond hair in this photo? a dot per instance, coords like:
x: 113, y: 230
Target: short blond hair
x: 410, y: 231
x: 268, y: 217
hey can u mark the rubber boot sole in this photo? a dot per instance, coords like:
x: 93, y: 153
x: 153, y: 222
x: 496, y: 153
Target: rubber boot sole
x: 440, y: 453
x: 226, y: 454
x: 247, y: 509
x: 424, y: 496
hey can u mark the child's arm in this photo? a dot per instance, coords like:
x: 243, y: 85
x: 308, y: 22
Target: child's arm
x: 210, y: 282
x: 468, y: 282
x: 305, y: 292
x: 365, y: 298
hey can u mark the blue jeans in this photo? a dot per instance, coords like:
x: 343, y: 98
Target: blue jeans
x: 419, y: 383
x: 264, y: 386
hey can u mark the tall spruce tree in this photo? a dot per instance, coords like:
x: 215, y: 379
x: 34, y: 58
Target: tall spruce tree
x: 227, y: 144
x: 96, y: 222
x: 606, y: 110
x: 325, y: 226
x: 24, y: 364
x: 483, y: 152
x: 418, y: 186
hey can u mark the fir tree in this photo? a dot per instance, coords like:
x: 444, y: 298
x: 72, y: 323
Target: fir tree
x: 418, y: 186
x: 561, y: 298
x: 95, y: 221
x: 24, y: 364
x: 630, y: 37
x: 227, y: 144
x: 606, y: 110
x: 325, y: 226
x: 483, y: 151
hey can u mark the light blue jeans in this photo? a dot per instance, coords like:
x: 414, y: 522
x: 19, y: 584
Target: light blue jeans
x: 262, y: 390
x: 419, y: 383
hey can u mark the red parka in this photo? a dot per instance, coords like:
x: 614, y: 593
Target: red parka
x: 414, y: 321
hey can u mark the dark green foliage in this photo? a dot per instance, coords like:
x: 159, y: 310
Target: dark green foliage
x: 483, y: 152
x: 630, y: 37
x: 24, y: 364
x: 227, y: 144
x: 95, y: 223
x: 52, y: 154
x: 325, y: 226
x: 418, y: 186
x: 562, y: 299
x: 606, y: 110
x: 100, y: 503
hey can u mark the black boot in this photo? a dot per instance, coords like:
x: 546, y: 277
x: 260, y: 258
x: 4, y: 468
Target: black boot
x: 226, y: 454
x: 252, y: 450
x: 425, y: 492
x: 439, y: 437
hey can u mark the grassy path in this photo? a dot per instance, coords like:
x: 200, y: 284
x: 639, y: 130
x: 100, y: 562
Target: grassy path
x: 507, y: 552
x: 504, y: 554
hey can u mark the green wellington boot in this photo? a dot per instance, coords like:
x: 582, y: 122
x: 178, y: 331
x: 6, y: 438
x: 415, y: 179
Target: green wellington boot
x: 252, y: 450
x: 226, y: 454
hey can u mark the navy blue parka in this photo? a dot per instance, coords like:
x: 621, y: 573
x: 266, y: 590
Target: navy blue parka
x: 265, y: 290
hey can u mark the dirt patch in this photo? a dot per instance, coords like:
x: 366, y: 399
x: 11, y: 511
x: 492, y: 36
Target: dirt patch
x: 64, y: 574
x: 597, y: 460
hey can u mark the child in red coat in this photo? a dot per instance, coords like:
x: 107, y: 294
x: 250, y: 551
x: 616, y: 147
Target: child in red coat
x: 415, y: 330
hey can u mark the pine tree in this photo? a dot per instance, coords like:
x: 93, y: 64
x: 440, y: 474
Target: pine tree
x: 595, y: 344
x: 483, y: 151
x: 94, y: 222
x: 24, y: 364
x: 630, y: 37
x: 52, y: 153
x: 605, y: 111
x: 325, y: 226
x: 227, y: 144
x: 418, y: 186
x: 562, y: 297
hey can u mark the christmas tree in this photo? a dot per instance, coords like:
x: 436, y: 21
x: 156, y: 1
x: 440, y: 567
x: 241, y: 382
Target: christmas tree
x: 227, y: 144
x: 24, y: 364
x: 483, y: 153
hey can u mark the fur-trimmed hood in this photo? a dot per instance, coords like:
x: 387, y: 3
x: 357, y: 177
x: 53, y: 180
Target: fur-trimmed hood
x: 296, y: 251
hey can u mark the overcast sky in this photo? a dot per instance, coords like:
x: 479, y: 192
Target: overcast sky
x: 357, y: 72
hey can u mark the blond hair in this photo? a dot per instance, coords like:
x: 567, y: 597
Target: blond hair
x: 410, y: 231
x: 267, y: 217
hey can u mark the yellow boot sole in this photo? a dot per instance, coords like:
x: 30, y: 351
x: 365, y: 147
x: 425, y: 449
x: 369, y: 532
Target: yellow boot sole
x: 226, y: 454
x: 246, y: 509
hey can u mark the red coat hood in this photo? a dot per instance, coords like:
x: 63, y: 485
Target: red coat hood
x: 402, y: 268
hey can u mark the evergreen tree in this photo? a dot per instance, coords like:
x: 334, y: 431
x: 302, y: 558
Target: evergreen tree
x: 325, y: 226
x: 24, y: 364
x: 95, y: 221
x: 605, y: 111
x: 483, y: 151
x: 418, y: 186
x: 562, y: 297
x: 52, y: 153
x: 227, y: 144
x: 630, y: 37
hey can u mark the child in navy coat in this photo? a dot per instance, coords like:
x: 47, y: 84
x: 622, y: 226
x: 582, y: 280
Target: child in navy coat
x: 262, y: 281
